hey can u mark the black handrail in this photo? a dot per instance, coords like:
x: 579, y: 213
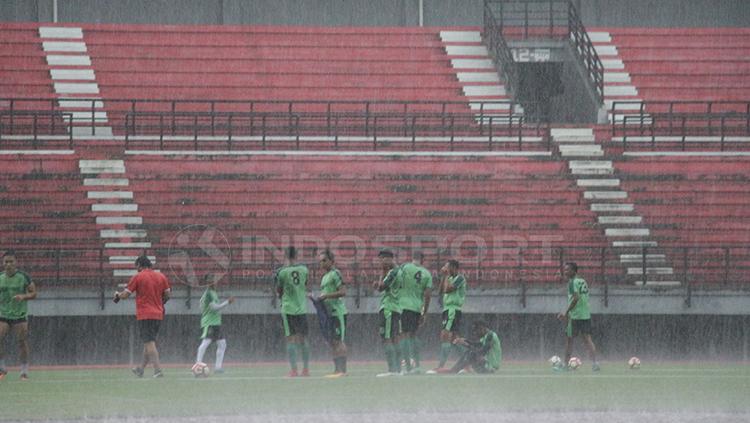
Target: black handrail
x: 682, y: 119
x: 499, y: 50
x: 719, y: 266
x: 236, y: 125
x: 39, y: 122
x: 584, y: 49
x: 525, y: 19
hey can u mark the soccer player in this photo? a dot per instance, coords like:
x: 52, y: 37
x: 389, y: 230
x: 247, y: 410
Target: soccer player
x: 152, y: 292
x: 577, y: 314
x: 453, y: 289
x: 211, y: 323
x: 390, y: 310
x: 16, y: 288
x: 332, y: 292
x: 484, y: 355
x: 291, y: 287
x: 414, y: 301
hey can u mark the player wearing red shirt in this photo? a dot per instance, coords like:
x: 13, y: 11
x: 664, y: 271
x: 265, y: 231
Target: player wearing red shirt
x: 152, y: 292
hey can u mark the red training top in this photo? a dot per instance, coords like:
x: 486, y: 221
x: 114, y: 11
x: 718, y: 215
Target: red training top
x: 148, y: 287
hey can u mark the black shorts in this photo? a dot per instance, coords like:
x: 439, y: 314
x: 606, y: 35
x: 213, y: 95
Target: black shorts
x: 579, y: 327
x: 11, y: 322
x: 149, y: 330
x: 390, y: 324
x: 212, y: 332
x: 410, y: 321
x: 294, y: 324
x: 452, y: 320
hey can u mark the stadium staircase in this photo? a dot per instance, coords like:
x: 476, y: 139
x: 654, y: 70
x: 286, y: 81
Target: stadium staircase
x: 624, y: 229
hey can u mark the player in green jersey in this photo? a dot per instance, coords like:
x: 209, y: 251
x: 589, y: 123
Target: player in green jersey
x: 483, y: 355
x: 453, y: 290
x: 16, y: 288
x: 415, y: 302
x: 291, y: 287
x: 577, y: 315
x: 332, y: 293
x: 390, y: 310
x: 211, y: 322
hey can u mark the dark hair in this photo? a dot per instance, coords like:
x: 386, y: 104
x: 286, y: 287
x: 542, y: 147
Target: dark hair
x: 417, y: 255
x: 328, y: 254
x: 143, y: 261
x: 453, y: 263
x: 385, y: 253
x: 480, y: 324
x: 291, y: 253
x: 572, y: 265
x: 9, y: 253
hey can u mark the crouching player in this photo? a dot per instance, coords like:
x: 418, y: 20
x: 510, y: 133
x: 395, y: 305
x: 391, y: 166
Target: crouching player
x: 484, y: 355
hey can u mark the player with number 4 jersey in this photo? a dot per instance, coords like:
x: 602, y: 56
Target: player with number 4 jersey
x: 415, y: 301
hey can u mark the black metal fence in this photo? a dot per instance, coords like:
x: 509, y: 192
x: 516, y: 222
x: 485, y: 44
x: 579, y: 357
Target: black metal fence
x: 680, y: 120
x: 512, y: 270
x: 231, y: 120
x: 36, y: 123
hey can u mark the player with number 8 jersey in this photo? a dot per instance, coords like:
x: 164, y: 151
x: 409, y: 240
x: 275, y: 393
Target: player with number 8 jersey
x: 291, y: 287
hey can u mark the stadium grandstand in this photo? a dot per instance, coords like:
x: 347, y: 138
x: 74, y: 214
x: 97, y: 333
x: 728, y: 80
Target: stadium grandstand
x: 514, y: 135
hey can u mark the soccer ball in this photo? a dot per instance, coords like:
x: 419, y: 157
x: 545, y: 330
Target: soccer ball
x: 634, y: 363
x: 555, y: 361
x: 200, y: 370
x: 574, y: 363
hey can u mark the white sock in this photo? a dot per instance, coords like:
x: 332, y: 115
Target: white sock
x: 24, y: 368
x: 221, y: 347
x: 202, y: 349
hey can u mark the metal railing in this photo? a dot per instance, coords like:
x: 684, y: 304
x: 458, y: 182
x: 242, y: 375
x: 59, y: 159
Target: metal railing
x: 268, y: 129
x: 498, y: 48
x: 530, y: 19
x: 234, y: 118
x: 35, y: 123
x: 516, y: 269
x: 681, y: 120
x: 585, y: 51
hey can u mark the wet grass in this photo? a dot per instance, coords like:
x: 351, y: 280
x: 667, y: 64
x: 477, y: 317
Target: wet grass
x: 112, y: 393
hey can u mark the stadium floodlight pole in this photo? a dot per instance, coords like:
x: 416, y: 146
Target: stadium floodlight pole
x: 421, y: 13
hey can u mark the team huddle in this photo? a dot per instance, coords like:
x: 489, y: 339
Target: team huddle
x: 405, y: 290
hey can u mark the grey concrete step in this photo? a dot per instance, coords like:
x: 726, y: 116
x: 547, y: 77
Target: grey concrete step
x: 634, y: 232
x: 651, y: 271
x: 614, y: 207
x: 638, y: 258
x: 605, y: 195
x: 634, y: 244
x: 598, y: 182
x: 620, y: 220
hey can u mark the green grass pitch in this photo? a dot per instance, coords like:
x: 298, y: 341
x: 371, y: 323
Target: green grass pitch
x: 258, y: 389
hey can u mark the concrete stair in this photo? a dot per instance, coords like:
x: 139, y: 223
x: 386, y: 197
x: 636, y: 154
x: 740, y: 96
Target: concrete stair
x: 624, y: 228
